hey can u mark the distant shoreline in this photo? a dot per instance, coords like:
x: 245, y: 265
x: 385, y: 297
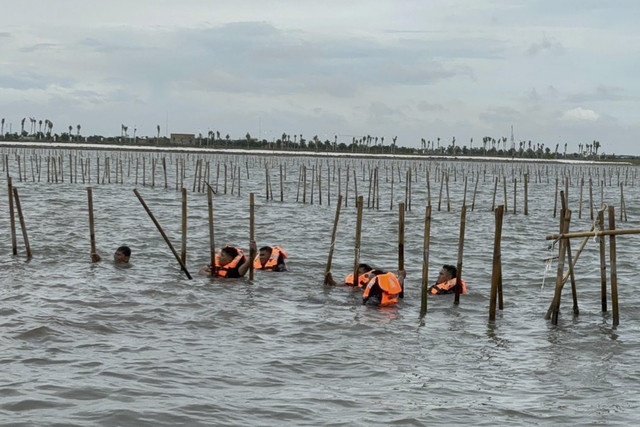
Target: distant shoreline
x: 325, y: 154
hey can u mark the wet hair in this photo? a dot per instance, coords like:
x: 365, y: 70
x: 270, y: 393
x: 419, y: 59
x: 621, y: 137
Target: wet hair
x: 266, y: 248
x: 365, y: 267
x: 451, y: 269
x: 124, y: 250
x: 377, y: 272
x: 230, y: 250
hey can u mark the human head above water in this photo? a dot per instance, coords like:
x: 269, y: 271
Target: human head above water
x: 363, y: 268
x: 122, y: 254
x: 264, y: 253
x: 447, y: 272
x: 227, y: 254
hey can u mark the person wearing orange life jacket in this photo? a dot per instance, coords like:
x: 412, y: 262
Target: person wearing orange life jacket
x: 348, y: 281
x: 384, y: 288
x: 231, y: 262
x: 446, y: 282
x: 270, y: 258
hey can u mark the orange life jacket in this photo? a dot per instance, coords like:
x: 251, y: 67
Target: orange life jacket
x: 448, y: 287
x: 223, y: 270
x: 272, y: 262
x: 390, y: 286
x: 362, y: 280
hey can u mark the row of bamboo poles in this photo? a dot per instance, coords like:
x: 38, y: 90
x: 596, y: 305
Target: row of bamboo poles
x: 224, y: 173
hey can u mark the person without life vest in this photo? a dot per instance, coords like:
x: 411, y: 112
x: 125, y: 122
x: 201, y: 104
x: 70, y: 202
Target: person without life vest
x: 384, y: 288
x: 348, y: 281
x: 231, y: 262
x: 121, y: 255
x: 446, y: 282
x: 270, y: 258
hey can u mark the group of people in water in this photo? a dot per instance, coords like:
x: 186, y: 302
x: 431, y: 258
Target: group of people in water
x: 379, y: 287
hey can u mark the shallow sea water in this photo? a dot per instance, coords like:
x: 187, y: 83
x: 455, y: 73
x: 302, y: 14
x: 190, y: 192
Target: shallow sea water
x: 98, y: 344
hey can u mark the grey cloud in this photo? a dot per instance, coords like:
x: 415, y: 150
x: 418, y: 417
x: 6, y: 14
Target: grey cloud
x: 5, y: 34
x: 22, y: 82
x: 601, y: 93
x: 546, y: 45
x: 39, y: 47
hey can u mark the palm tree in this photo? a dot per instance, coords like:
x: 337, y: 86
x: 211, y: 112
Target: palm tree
x: 78, y: 135
x: 2, y: 128
x: 596, y: 145
x: 22, y: 125
x: 158, y: 128
x: 50, y: 128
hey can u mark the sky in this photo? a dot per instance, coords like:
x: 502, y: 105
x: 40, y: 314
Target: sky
x: 559, y: 72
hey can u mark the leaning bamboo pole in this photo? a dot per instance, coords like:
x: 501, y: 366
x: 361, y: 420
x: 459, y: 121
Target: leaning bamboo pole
x: 252, y: 254
x: 162, y: 233
x: 183, y: 251
x: 333, y: 238
x: 23, y: 226
x: 12, y: 217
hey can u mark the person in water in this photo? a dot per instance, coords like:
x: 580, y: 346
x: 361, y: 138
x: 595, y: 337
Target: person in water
x: 446, y: 282
x: 121, y: 255
x: 384, y: 288
x: 348, y: 281
x: 231, y: 262
x: 270, y: 258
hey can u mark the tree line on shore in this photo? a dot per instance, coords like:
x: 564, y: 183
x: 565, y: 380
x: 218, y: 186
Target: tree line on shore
x: 42, y: 131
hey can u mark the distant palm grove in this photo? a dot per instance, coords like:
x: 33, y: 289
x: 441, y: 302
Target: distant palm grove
x: 42, y: 131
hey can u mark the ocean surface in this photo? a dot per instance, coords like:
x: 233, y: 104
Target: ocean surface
x: 100, y: 344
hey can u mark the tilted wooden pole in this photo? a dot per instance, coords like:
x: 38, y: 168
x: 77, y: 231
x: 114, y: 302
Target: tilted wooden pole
x: 333, y: 238
x: 463, y: 216
x: 425, y: 262
x: 164, y: 236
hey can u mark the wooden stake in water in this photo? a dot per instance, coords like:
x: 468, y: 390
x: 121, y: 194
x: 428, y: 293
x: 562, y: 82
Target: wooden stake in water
x: 212, y: 245
x: 401, y: 210
x: 12, y: 218
x: 92, y: 234
x: 356, y: 248
x: 23, y: 226
x: 333, y: 238
x: 603, y: 264
x: 496, y: 271
x: 614, y: 270
x: 425, y: 262
x: 183, y: 252
x: 463, y: 220
x: 162, y: 233
x: 252, y: 254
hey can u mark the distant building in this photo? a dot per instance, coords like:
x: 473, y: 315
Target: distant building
x: 183, y: 138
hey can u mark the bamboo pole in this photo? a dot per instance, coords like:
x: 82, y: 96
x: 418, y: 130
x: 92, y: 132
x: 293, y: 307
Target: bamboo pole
x: 526, y: 194
x: 463, y: 216
x: 252, y: 254
x: 164, y: 236
x: 401, y: 210
x: 356, y: 248
x: 495, y: 190
x: 594, y: 233
x: 425, y: 261
x: 614, y: 270
x: 92, y: 234
x: 212, y: 245
x: 496, y: 272
x: 281, y: 186
x: 333, y: 238
x: 574, y: 292
x: 183, y: 252
x: 603, y: 264
x: 23, y: 226
x: 12, y: 217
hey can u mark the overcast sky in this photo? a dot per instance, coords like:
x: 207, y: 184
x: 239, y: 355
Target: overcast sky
x: 558, y: 71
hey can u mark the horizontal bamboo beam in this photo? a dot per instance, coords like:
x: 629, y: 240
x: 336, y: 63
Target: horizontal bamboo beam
x: 592, y: 234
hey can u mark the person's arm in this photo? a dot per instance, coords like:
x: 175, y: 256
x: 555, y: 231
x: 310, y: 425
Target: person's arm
x: 205, y: 270
x: 253, y: 250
